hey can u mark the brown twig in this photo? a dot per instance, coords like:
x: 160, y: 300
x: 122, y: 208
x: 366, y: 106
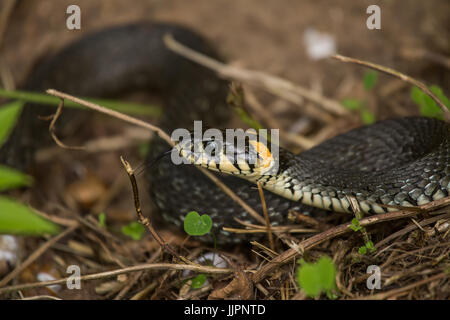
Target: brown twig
x: 41, y: 297
x: 111, y: 113
x: 359, y: 215
x: 128, y: 137
x: 7, y: 8
x: 6, y: 76
x: 399, y: 75
x: 112, y: 273
x: 130, y: 283
x: 162, y: 135
x: 277, y: 229
x: 385, y: 295
x: 144, y: 220
x: 266, y: 216
x: 421, y: 54
x: 406, y: 230
x: 254, y: 228
x: 300, y: 140
x: 135, y: 278
x: 51, y: 129
x: 36, y: 254
x: 278, y: 86
x: 306, y: 244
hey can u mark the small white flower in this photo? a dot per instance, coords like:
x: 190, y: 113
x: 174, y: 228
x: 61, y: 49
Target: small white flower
x: 318, y: 45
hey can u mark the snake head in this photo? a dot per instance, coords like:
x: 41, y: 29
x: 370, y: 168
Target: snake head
x: 238, y: 152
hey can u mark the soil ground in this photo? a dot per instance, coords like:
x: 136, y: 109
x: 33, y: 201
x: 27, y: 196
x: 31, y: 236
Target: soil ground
x: 263, y: 35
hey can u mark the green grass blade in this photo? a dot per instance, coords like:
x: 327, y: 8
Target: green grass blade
x: 370, y: 80
x: 11, y: 178
x: 16, y: 218
x: 41, y: 98
x: 9, y: 113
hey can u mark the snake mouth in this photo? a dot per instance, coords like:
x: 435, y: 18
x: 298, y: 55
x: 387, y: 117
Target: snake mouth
x: 247, y: 156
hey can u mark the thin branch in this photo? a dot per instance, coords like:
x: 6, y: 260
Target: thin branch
x: 399, y: 75
x: 146, y: 221
x: 6, y: 76
x: 407, y: 229
x: 36, y: 254
x: 270, y: 120
x: 308, y: 243
x: 51, y: 129
x: 266, y: 216
x: 282, y: 228
x: 112, y: 273
x: 43, y: 297
x: 358, y: 215
x: 112, y: 113
x: 385, y: 295
x: 7, y: 9
x: 278, y: 86
x: 421, y: 54
x: 162, y: 135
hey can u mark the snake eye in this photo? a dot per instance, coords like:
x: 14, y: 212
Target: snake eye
x: 212, y: 148
x: 243, y: 154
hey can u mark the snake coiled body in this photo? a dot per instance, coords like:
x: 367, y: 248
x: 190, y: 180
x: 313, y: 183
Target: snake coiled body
x: 398, y: 162
x: 403, y: 161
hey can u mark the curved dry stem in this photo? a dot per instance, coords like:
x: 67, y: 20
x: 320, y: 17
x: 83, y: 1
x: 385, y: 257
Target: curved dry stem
x: 112, y: 273
x: 306, y: 244
x: 399, y: 75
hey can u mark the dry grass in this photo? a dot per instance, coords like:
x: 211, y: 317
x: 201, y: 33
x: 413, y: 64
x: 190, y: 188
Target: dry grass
x: 412, y: 247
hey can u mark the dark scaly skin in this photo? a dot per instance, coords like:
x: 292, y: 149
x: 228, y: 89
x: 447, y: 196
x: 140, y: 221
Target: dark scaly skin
x: 403, y: 162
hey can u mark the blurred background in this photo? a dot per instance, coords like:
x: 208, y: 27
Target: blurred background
x: 283, y: 38
x: 287, y: 39
x: 265, y: 35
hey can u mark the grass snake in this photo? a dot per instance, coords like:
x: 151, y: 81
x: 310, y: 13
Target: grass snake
x: 401, y: 161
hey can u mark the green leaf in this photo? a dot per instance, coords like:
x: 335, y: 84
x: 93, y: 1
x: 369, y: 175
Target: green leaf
x: 355, y: 226
x: 370, y: 79
x: 134, y: 230
x: 352, y: 104
x: 367, y: 117
x: 198, y: 281
x: 247, y: 118
x: 43, y: 98
x: 9, y: 113
x: 417, y: 95
x: 11, y: 178
x: 370, y: 246
x: 331, y: 295
x: 318, y: 277
x: 16, y: 218
x: 309, y: 280
x: 102, y: 220
x: 327, y: 272
x: 428, y: 107
x: 196, y: 225
x: 440, y: 94
x: 362, y: 250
